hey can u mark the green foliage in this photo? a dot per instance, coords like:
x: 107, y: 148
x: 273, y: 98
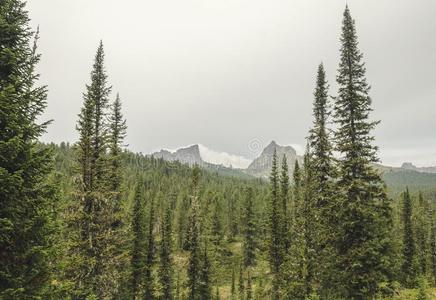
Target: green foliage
x: 233, y: 284
x: 284, y: 195
x: 204, y: 284
x: 28, y: 197
x: 308, y: 227
x: 249, y: 293
x: 432, y: 245
x: 330, y: 237
x: 241, y: 285
x: 139, y: 238
x: 166, y: 263
x: 249, y: 242
x: 275, y: 238
x: 362, y: 242
x: 422, y: 291
x: 194, y: 265
x: 409, y: 247
x: 150, y: 252
x: 96, y: 237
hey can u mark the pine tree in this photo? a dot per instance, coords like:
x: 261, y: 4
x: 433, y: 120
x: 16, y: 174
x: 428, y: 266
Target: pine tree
x: 139, y: 238
x: 409, y: 247
x: 117, y: 133
x: 275, y: 235
x: 99, y: 92
x: 204, y: 284
x: 232, y: 217
x: 284, y: 195
x: 216, y: 226
x: 97, y: 274
x: 323, y: 177
x: 422, y: 230
x: 166, y: 265
x: 150, y: 254
x: 182, y: 230
x: 309, y: 225
x: 26, y: 220
x: 194, y: 263
x: 294, y: 269
x: 296, y: 196
x: 362, y: 242
x: 249, y: 243
x: 119, y: 245
x: 319, y: 140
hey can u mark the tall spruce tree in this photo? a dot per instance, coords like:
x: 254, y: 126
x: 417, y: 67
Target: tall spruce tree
x: 204, y: 284
x: 150, y: 254
x: 194, y: 263
x: 98, y: 91
x: 422, y: 234
x: 294, y: 270
x: 165, y: 263
x: 97, y: 273
x: 26, y: 195
x: 409, y: 246
x: 308, y: 226
x: 284, y: 197
x: 117, y: 133
x: 362, y: 241
x: 216, y: 230
x: 296, y: 196
x: 275, y: 239
x: 139, y: 240
x: 323, y: 179
x: 249, y: 243
x: 319, y: 139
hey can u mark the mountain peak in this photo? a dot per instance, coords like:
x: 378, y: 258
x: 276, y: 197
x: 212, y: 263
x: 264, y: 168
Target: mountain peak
x: 261, y: 166
x: 408, y: 165
x: 271, y: 146
x: 189, y: 155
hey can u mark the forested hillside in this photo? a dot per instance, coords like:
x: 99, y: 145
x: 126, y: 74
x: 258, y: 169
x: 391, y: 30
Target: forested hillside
x: 92, y: 220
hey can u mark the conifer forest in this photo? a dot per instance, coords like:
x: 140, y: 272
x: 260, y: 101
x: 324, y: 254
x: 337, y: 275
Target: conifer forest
x: 91, y: 219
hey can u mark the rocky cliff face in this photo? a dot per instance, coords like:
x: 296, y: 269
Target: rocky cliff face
x: 189, y: 155
x: 261, y: 166
x: 410, y: 166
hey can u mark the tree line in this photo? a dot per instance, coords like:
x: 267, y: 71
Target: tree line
x: 94, y: 221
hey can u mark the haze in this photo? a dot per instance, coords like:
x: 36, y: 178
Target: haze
x: 232, y: 73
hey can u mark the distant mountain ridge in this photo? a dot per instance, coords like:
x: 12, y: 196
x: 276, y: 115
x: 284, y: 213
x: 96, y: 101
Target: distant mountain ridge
x: 260, y: 167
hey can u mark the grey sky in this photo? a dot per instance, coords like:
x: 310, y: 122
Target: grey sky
x: 224, y: 73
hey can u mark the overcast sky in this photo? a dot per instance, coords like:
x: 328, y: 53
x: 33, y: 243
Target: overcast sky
x: 235, y: 74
